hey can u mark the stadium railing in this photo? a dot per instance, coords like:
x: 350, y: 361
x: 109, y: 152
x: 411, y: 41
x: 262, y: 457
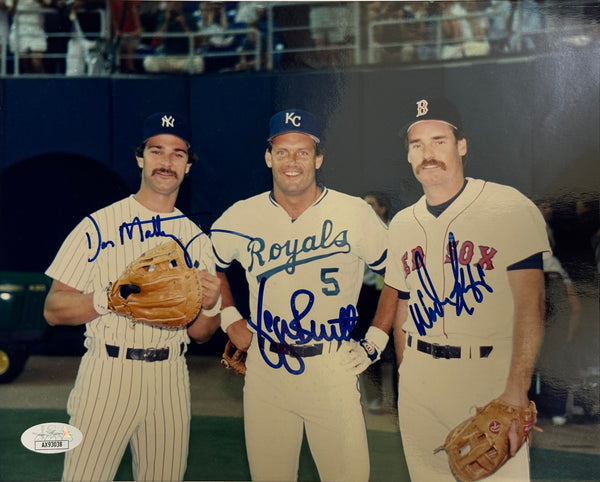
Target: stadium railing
x: 565, y: 21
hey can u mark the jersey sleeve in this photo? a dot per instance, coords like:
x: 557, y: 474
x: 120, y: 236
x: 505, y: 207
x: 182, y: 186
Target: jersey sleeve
x: 395, y: 275
x: 207, y: 262
x: 207, y: 254
x: 224, y: 238
x: 375, y: 234
x: 73, y: 264
x: 525, y: 232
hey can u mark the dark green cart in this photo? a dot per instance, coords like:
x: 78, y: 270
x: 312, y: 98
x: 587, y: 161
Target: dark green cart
x: 22, y: 323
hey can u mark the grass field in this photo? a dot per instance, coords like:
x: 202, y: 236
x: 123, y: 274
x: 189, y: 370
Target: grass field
x: 217, y: 453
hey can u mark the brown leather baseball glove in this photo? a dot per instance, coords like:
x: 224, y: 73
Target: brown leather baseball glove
x: 158, y: 288
x: 234, y: 358
x: 479, y: 446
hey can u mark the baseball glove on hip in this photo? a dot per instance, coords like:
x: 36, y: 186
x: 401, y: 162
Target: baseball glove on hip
x: 479, y: 446
x: 158, y: 288
x: 234, y: 358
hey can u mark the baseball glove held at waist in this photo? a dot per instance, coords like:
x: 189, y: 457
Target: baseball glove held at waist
x: 479, y: 446
x: 158, y: 288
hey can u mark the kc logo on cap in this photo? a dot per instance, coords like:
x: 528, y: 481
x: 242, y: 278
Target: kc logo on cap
x: 294, y: 120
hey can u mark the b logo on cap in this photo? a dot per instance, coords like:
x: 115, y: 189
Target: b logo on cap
x: 168, y: 121
x: 422, y: 108
x: 293, y: 119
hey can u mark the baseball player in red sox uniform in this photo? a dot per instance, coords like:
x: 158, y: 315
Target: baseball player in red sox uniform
x: 132, y: 386
x: 303, y: 247
x: 465, y: 266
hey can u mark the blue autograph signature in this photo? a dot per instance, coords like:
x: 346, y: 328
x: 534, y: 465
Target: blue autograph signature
x: 272, y: 328
x: 428, y: 316
x: 139, y: 227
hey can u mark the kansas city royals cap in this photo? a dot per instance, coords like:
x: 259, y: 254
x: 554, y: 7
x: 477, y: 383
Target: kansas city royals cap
x: 440, y: 109
x: 294, y: 120
x: 166, y: 123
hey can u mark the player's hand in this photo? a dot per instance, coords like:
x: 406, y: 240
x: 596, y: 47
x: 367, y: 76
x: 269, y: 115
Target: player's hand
x: 240, y: 335
x: 518, y: 399
x: 211, y: 289
x: 361, y: 354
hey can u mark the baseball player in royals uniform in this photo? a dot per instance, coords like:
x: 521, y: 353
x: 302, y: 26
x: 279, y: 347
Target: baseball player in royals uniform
x: 303, y: 247
x: 132, y: 386
x: 465, y: 262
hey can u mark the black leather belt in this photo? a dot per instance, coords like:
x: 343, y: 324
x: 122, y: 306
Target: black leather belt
x: 448, y: 351
x: 143, y: 354
x: 298, y: 351
x: 439, y: 351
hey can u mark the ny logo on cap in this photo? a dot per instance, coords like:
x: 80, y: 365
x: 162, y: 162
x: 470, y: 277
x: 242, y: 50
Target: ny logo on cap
x: 291, y: 117
x: 168, y: 121
x: 422, y: 108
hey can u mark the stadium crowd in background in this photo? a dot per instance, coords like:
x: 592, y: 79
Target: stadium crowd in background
x: 315, y: 35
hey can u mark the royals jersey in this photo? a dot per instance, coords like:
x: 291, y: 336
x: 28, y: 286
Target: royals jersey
x: 304, y: 275
x: 99, y: 249
x: 455, y: 266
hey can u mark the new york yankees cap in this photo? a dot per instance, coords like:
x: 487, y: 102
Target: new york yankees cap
x: 166, y: 123
x: 440, y: 109
x: 294, y: 120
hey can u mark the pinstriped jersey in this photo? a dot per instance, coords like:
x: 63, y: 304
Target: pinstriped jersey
x: 455, y: 266
x: 104, y: 243
x: 305, y: 274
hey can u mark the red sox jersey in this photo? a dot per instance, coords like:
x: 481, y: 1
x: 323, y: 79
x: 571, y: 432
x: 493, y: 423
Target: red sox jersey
x: 304, y: 274
x: 455, y: 266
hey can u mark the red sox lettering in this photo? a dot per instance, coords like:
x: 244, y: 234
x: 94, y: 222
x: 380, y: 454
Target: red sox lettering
x: 465, y: 253
x: 430, y: 306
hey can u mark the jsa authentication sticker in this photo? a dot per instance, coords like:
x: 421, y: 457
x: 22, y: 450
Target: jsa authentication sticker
x: 51, y: 438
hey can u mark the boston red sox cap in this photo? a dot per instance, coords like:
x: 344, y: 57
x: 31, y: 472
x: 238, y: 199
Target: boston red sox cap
x: 440, y: 109
x: 166, y: 123
x: 294, y: 120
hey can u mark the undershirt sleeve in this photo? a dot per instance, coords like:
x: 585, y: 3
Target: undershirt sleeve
x: 532, y: 262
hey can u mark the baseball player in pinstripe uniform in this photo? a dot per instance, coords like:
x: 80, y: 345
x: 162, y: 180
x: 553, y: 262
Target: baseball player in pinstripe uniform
x: 132, y: 386
x: 303, y: 247
x: 465, y: 267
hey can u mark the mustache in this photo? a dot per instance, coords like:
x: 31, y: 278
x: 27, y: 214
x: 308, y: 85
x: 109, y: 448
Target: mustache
x: 431, y: 162
x: 165, y: 171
